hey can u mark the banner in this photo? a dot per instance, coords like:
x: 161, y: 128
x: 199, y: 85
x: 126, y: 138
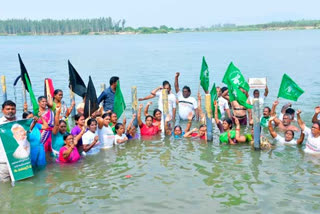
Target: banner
x: 17, y: 148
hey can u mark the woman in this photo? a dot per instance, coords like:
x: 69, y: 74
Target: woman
x: 48, y: 116
x: 202, y: 133
x: 288, y: 135
x: 177, y: 130
x: 69, y: 153
x: 105, y: 133
x: 59, y: 130
x: 132, y: 130
x: 157, y: 114
x: 90, y: 139
x: 120, y: 137
x: 58, y: 103
x: 227, y: 136
x: 37, y: 153
x: 147, y: 129
x: 113, y: 121
x: 80, y: 122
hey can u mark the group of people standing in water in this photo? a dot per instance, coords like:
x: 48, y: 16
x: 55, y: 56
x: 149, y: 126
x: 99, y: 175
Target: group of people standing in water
x: 51, y: 131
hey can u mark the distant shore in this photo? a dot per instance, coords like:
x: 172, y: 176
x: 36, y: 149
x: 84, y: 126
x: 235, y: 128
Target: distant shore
x: 107, y: 26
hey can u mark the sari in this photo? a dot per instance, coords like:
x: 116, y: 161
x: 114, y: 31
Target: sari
x: 46, y: 137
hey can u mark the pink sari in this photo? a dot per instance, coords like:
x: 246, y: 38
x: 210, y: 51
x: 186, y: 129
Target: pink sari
x: 73, y: 157
x: 48, y: 116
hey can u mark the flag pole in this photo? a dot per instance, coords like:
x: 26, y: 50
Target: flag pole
x: 134, y: 104
x: 4, y: 88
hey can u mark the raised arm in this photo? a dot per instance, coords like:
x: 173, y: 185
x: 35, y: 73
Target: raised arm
x: 87, y: 147
x: 56, y: 121
x: 316, y: 113
x: 151, y: 95
x: 70, y: 108
x: 146, y: 109
x: 239, y: 138
x: 176, y: 82
x: 300, y: 122
x: 266, y: 91
x: 301, y: 138
x: 190, y: 117
x: 139, y: 115
x: 49, y: 100
x: 274, y: 106
x: 79, y: 136
x: 168, y: 131
x: 189, y: 133
x: 225, y: 95
x: 131, y: 122
x: 199, y: 112
x: 270, y: 127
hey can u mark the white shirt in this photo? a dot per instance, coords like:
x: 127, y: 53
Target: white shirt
x: 281, y: 140
x: 106, y: 137
x: 223, y: 106
x: 87, y: 139
x: 171, y: 101
x: 117, y: 137
x: 186, y: 105
x: 312, y: 143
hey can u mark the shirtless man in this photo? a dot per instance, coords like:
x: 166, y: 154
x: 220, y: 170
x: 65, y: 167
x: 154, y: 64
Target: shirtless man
x: 239, y: 111
x: 285, y: 124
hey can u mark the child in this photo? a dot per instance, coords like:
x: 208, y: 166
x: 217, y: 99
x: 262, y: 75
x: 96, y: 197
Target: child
x: 120, y: 137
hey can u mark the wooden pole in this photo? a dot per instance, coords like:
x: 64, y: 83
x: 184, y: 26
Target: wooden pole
x: 208, y: 117
x: 256, y: 123
x: 24, y: 92
x: 73, y: 112
x: 165, y: 108
x: 4, y: 88
x: 103, y: 86
x: 208, y: 105
x: 134, y: 103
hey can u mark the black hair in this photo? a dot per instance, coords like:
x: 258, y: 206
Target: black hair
x: 149, y: 116
x: 155, y: 111
x: 62, y: 121
x: 90, y: 121
x: 290, y: 111
x: 8, y: 103
x: 223, y: 89
x: 256, y: 90
x: 229, y: 121
x: 177, y: 126
x: 41, y: 97
x: 57, y: 91
x: 166, y: 83
x: 113, y: 80
x: 26, y: 114
x: 106, y: 115
x: 202, y: 125
x: 292, y: 132
x: 186, y: 88
x: 77, y: 116
x: 318, y: 123
x: 269, y: 109
x: 117, y: 126
x: 65, y: 136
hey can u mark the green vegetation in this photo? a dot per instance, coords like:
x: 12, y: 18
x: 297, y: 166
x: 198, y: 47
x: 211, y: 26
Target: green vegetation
x: 102, y: 26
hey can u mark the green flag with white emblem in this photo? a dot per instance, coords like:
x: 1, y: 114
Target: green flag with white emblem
x: 234, y: 76
x: 236, y: 94
x: 289, y: 89
x: 204, y: 75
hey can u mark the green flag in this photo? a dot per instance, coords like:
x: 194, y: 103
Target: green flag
x: 236, y: 94
x: 289, y: 89
x: 234, y: 76
x: 214, y: 96
x: 204, y: 75
x: 119, y: 103
x: 33, y: 99
x: 14, y: 138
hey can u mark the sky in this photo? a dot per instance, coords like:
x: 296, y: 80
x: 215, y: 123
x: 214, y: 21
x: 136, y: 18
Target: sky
x: 174, y: 13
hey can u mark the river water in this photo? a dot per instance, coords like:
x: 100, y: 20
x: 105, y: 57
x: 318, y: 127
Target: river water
x: 170, y: 175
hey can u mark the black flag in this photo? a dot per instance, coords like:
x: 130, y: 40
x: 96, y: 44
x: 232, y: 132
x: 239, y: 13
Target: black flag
x: 76, y: 84
x: 23, y: 73
x: 91, y: 104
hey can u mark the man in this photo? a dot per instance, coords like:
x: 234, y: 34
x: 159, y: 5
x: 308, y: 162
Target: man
x: 287, y: 118
x: 171, y: 98
x: 187, y: 104
x: 266, y: 116
x: 223, y: 105
x: 313, y: 135
x: 256, y: 95
x: 20, y: 135
x: 107, y: 96
x: 9, y: 115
